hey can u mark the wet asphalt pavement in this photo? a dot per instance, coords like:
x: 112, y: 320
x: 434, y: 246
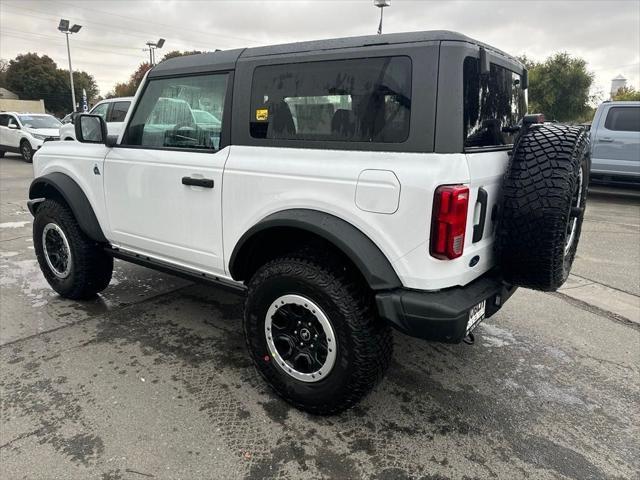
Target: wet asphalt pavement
x: 152, y: 381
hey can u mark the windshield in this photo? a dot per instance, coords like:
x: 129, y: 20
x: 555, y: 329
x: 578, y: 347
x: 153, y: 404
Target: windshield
x: 39, y: 121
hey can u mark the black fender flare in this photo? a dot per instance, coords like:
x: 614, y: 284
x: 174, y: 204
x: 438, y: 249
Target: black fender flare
x: 67, y: 188
x: 358, y: 247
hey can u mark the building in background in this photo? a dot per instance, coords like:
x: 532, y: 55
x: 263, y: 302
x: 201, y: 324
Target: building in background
x: 7, y: 94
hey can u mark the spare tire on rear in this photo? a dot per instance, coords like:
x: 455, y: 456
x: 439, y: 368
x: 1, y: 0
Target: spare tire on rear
x: 544, y: 195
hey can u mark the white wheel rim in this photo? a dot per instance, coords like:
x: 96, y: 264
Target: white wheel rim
x: 321, y: 348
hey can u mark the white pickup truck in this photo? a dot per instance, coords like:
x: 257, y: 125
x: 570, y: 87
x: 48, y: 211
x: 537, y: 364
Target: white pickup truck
x: 112, y: 110
x: 345, y: 186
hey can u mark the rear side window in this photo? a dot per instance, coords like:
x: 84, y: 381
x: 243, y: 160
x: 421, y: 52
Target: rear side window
x: 491, y: 102
x: 359, y: 100
x: 183, y: 112
x: 624, y: 119
x: 118, y: 112
x: 4, y: 120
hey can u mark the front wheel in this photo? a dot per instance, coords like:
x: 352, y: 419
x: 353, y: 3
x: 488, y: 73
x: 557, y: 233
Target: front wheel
x: 74, y: 265
x: 26, y: 151
x: 313, y: 335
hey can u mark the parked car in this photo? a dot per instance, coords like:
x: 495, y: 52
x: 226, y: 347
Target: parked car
x: 333, y: 193
x: 112, y: 110
x: 24, y: 133
x: 615, y: 143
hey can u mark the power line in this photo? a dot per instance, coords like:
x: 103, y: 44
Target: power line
x: 24, y: 36
x: 164, y: 25
x: 110, y: 28
x: 75, y: 42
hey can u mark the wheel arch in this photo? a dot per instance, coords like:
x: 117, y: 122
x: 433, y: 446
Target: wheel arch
x: 276, y: 230
x: 62, y: 187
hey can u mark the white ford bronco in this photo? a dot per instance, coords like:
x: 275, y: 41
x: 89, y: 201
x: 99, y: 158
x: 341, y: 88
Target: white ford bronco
x: 346, y: 186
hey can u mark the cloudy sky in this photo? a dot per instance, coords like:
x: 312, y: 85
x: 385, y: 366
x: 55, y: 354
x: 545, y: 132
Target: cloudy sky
x: 110, y: 44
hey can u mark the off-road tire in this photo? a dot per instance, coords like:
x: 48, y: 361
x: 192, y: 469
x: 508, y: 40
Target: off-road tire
x: 91, y: 267
x: 539, y: 200
x: 364, y: 343
x: 26, y: 151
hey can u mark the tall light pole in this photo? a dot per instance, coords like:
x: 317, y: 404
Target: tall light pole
x: 152, y: 50
x: 63, y: 26
x: 381, y: 4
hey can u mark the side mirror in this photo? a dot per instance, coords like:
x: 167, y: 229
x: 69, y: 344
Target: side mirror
x: 13, y: 126
x: 90, y: 129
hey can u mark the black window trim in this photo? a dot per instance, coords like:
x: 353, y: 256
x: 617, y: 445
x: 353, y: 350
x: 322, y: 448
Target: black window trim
x: 225, y: 132
x: 492, y: 148
x: 331, y: 144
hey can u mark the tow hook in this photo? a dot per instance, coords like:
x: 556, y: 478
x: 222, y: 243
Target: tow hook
x: 469, y: 339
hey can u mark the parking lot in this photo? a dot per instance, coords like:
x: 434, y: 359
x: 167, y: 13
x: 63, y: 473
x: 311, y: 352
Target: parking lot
x: 152, y: 380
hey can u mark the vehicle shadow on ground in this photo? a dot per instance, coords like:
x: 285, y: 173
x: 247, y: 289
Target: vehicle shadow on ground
x: 442, y: 409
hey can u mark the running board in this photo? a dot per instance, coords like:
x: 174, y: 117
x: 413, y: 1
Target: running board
x: 178, y: 271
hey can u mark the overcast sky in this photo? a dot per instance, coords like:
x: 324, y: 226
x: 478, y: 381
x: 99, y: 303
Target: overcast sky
x: 110, y: 44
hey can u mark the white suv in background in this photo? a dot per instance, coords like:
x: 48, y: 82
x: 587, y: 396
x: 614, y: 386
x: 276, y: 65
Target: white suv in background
x: 112, y: 110
x: 24, y: 133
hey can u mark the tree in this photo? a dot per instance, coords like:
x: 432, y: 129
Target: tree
x: 129, y: 88
x: 559, y: 87
x: 34, y: 77
x: 4, y: 65
x: 627, y: 93
x: 178, y: 53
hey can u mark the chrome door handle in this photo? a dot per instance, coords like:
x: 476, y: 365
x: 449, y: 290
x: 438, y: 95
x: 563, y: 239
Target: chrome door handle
x: 606, y: 139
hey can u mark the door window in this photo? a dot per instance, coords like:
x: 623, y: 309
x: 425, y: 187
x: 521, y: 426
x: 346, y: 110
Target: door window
x: 13, y: 121
x: 4, y: 120
x: 100, y: 109
x: 118, y: 112
x: 184, y: 112
x: 624, y: 119
x: 357, y: 100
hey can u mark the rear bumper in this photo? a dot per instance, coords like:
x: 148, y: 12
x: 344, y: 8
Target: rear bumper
x: 442, y: 315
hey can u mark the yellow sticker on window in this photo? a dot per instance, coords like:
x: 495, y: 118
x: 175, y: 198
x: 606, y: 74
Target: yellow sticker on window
x: 262, y: 114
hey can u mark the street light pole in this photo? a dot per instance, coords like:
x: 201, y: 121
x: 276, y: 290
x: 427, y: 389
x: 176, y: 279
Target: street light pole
x: 73, y: 92
x: 381, y: 4
x: 152, y: 50
x: 63, y: 26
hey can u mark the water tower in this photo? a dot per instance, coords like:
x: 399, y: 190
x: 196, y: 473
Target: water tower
x: 616, y: 84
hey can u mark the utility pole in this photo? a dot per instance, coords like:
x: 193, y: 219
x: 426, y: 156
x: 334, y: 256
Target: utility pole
x: 63, y: 26
x: 381, y: 4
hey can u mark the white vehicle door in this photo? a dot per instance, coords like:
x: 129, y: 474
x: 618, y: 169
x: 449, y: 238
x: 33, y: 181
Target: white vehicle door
x: 13, y: 133
x: 163, y: 181
x: 4, y: 121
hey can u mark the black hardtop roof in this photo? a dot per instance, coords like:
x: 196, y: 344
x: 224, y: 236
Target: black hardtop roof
x: 223, y: 60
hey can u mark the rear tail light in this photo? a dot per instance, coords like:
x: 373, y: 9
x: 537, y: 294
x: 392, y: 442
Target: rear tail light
x: 449, y: 221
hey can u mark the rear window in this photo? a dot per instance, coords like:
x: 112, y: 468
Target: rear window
x: 358, y: 100
x: 624, y: 119
x: 491, y: 102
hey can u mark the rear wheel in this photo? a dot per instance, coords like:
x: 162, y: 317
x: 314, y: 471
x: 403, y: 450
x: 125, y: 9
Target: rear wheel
x: 313, y: 335
x: 544, y: 197
x: 74, y: 265
x: 26, y: 151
